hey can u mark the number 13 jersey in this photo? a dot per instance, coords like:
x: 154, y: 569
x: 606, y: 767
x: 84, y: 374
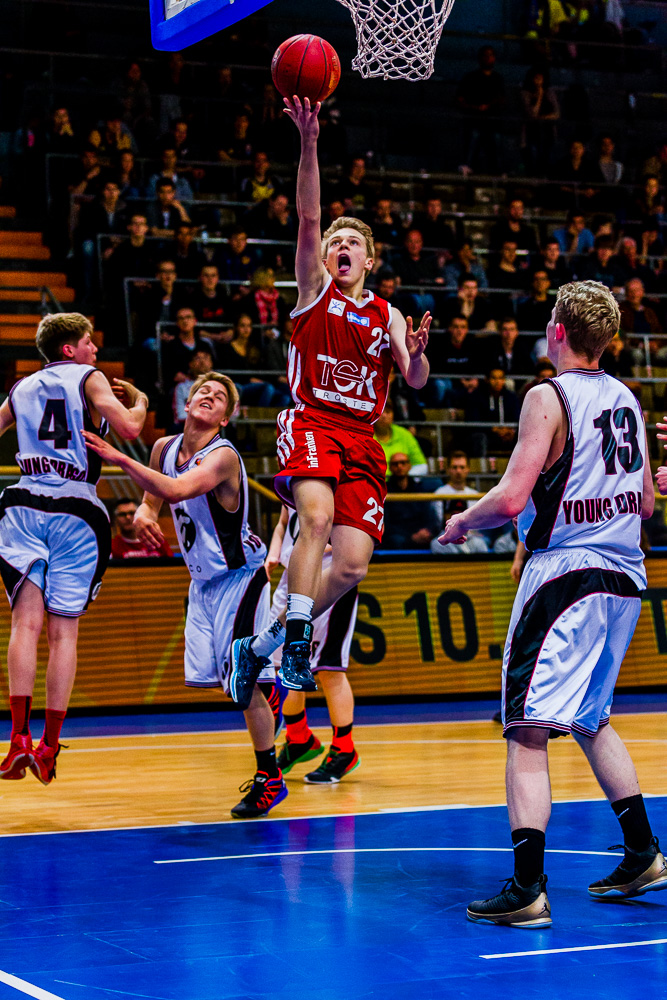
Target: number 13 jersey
x: 591, y: 497
x: 340, y: 358
x: 51, y: 410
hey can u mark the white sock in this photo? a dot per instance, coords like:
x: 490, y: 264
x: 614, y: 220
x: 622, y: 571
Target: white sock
x: 300, y: 607
x: 268, y: 640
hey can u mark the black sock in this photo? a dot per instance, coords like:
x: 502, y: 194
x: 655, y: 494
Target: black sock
x: 342, y: 730
x: 528, y: 855
x: 297, y: 717
x: 266, y: 761
x: 631, y: 814
x: 298, y: 630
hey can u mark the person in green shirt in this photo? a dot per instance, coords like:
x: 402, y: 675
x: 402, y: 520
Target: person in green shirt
x: 393, y: 439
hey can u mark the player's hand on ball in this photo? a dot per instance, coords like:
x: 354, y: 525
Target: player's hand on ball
x: 303, y: 115
x: 454, y: 531
x: 416, y: 340
x: 661, y: 479
x: 148, y: 531
x: 103, y: 449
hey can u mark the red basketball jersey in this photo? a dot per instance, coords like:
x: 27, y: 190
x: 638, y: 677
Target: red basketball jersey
x: 340, y: 357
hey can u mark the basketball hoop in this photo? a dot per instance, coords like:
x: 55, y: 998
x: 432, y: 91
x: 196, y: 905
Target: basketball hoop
x: 397, y: 39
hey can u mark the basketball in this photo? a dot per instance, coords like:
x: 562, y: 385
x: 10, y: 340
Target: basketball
x: 306, y: 65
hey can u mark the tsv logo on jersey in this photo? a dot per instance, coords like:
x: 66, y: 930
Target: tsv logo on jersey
x: 337, y: 307
x: 356, y: 318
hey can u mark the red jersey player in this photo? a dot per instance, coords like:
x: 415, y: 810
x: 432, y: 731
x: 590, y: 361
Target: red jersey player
x: 332, y: 471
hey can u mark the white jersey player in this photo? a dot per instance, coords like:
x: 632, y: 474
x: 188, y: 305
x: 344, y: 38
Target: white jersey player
x: 332, y: 638
x: 54, y: 531
x: 202, y: 478
x: 580, y: 482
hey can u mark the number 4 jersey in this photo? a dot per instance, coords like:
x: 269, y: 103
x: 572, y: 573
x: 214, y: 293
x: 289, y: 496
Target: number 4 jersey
x: 51, y: 410
x: 591, y: 497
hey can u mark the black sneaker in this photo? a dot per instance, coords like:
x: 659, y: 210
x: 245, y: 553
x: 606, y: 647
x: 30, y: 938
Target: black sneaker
x: 514, y: 906
x: 263, y: 793
x: 295, y: 670
x: 299, y: 753
x: 336, y: 765
x: 246, y: 668
x: 638, y: 872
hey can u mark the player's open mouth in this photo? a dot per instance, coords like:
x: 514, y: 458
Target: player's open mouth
x: 205, y: 406
x: 344, y: 263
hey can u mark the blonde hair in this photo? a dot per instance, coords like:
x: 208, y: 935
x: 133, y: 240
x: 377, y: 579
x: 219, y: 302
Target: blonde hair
x: 264, y: 277
x: 232, y: 391
x: 347, y: 222
x: 58, y: 329
x: 590, y: 315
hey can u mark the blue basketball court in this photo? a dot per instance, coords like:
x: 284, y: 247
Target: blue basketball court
x: 321, y: 908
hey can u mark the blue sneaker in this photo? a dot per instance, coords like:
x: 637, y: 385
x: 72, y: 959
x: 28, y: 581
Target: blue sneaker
x: 246, y: 668
x: 295, y: 672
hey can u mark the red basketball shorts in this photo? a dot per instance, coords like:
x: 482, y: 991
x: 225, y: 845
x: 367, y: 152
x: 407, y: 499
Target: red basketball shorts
x: 312, y: 445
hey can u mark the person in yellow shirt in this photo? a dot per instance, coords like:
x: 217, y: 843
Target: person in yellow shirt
x: 393, y: 439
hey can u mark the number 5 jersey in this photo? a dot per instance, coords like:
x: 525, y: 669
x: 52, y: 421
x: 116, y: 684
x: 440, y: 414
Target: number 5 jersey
x: 591, y: 497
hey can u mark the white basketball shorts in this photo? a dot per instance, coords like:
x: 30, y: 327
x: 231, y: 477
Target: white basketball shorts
x: 573, y: 618
x: 220, y: 610
x: 61, y: 544
x: 332, y: 631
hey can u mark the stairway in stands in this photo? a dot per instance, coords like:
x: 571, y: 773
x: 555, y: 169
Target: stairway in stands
x: 28, y: 288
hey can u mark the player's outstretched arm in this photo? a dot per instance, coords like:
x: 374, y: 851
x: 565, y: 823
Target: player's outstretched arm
x: 408, y: 346
x: 540, y: 421
x: 146, y: 517
x: 127, y: 420
x: 310, y: 272
x: 217, y: 468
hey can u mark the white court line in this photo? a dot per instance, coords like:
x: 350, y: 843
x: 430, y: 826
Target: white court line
x: 368, y: 850
x: 359, y: 725
x: 27, y: 988
x: 583, y: 947
x: 242, y: 746
x: 297, y: 819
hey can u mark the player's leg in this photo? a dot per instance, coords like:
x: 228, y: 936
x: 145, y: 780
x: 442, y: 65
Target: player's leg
x: 330, y: 666
x: 241, y: 607
x: 79, y: 545
x: 643, y: 868
x: 314, y: 501
x: 342, y: 756
x: 27, y: 621
x: 523, y: 901
x: 352, y: 549
x: 62, y: 634
x: 301, y: 743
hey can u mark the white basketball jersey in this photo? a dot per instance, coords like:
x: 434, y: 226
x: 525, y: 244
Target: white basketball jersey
x: 289, y: 538
x: 50, y: 410
x: 592, y: 496
x: 213, y: 540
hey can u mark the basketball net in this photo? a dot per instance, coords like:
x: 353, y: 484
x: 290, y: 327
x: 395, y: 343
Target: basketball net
x: 397, y: 39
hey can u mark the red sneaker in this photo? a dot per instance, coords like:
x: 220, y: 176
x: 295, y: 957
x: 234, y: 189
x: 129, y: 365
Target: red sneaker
x: 44, y: 762
x: 19, y: 757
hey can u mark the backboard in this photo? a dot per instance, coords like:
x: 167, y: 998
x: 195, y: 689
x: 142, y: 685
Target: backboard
x: 175, y: 24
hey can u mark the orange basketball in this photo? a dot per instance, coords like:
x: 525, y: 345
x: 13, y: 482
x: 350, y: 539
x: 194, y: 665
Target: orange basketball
x: 307, y: 66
